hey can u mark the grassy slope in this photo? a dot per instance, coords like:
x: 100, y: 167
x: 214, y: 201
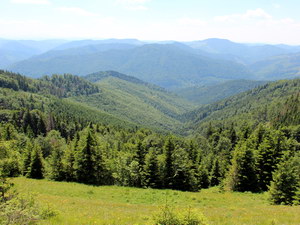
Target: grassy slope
x: 82, y: 204
x: 138, y: 103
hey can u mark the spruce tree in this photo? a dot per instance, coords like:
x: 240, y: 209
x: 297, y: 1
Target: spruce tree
x: 85, y: 165
x: 202, y: 176
x: 215, y: 175
x: 151, y: 170
x: 140, y: 158
x: 285, y: 187
x: 36, y: 164
x: 27, y: 158
x: 68, y: 164
x: 169, y: 170
x: 56, y: 165
x: 242, y: 174
x: 268, y: 155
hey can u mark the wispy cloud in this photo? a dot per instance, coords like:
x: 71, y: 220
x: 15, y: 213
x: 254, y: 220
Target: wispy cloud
x: 132, y: 2
x: 77, y: 11
x: 191, y: 22
x: 134, y: 5
x: 259, y: 14
x: 31, y: 2
x: 276, y: 6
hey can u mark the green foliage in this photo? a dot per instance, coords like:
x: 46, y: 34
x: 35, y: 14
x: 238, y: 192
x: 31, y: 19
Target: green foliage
x: 169, y: 163
x: 240, y: 141
x: 285, y: 187
x: 18, y: 209
x: 152, y: 178
x: 168, y: 216
x: 85, y: 158
x: 153, y: 106
x: 207, y: 94
x: 242, y: 174
x: 259, y: 105
x: 36, y: 163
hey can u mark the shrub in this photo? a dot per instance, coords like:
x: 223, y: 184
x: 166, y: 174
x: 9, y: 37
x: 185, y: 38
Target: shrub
x: 17, y: 209
x: 169, y: 216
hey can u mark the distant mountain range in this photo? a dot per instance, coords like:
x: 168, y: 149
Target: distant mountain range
x: 167, y: 64
x: 12, y: 51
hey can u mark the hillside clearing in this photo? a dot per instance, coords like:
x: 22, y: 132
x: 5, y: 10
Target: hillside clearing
x: 83, y: 204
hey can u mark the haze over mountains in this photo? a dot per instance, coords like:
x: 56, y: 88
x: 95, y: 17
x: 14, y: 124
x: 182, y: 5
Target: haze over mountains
x: 171, y: 65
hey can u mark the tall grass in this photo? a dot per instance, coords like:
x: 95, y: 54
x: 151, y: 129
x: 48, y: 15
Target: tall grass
x: 83, y: 204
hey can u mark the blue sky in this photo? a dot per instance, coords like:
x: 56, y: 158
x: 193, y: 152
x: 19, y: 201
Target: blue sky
x: 259, y: 21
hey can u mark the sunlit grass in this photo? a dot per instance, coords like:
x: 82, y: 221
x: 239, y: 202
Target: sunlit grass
x: 83, y: 204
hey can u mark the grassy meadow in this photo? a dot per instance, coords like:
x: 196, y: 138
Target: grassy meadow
x: 83, y: 204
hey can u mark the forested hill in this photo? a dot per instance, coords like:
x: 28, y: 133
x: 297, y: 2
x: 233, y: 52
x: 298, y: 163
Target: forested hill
x: 95, y: 77
x: 268, y: 103
x: 59, y: 85
x: 133, y: 100
x: 115, y: 98
x: 48, y: 102
x: 207, y: 94
x: 248, y: 142
x: 167, y: 65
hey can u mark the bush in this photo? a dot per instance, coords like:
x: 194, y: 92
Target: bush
x: 169, y: 216
x: 17, y: 209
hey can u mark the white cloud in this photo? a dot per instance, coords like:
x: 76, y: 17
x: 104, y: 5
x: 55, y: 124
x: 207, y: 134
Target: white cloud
x: 132, y: 2
x: 258, y: 14
x: 250, y: 26
x: 191, y: 22
x: 77, y: 11
x: 33, y: 2
x: 134, y: 5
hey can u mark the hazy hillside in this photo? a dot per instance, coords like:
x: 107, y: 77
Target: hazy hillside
x: 212, y: 93
x: 83, y: 43
x: 168, y: 65
x: 12, y: 51
x: 278, y: 67
x: 239, y: 52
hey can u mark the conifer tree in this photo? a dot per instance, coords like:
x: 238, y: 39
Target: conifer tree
x: 85, y: 158
x: 27, y: 158
x: 140, y: 158
x: 268, y: 155
x: 36, y: 164
x: 151, y: 170
x: 285, y: 187
x: 68, y: 163
x: 202, y: 176
x: 215, y: 175
x: 169, y: 170
x: 56, y: 165
x: 242, y: 174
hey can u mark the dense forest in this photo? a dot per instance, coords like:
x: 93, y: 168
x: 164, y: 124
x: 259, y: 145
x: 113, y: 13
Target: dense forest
x: 248, y: 142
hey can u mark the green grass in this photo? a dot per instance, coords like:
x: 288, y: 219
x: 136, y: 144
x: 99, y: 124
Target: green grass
x: 83, y: 204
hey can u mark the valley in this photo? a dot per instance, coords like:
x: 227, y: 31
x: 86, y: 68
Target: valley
x: 151, y: 127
